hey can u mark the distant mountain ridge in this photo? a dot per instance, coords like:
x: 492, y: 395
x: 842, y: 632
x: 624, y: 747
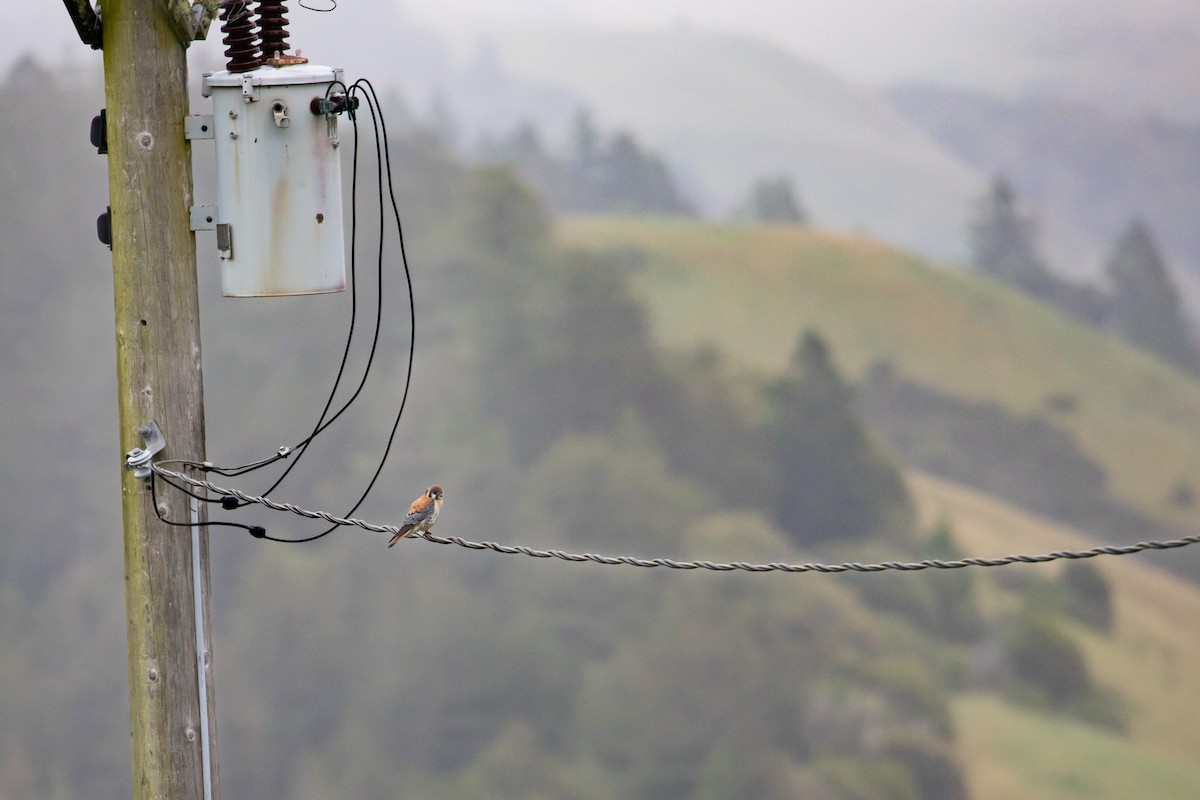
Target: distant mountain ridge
x: 726, y: 110
x: 904, y: 165
x: 1086, y: 173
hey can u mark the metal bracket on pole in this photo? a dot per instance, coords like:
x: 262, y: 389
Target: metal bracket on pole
x: 198, y: 126
x: 138, y: 459
x: 203, y: 217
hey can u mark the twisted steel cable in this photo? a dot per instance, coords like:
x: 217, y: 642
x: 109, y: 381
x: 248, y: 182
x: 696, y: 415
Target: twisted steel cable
x: 848, y: 566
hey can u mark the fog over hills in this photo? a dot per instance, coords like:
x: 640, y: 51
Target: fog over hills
x: 1087, y: 171
x: 728, y: 95
x: 726, y: 110
x: 1129, y: 58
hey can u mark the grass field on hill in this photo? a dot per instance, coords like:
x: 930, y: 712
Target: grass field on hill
x: 1150, y: 659
x: 750, y: 290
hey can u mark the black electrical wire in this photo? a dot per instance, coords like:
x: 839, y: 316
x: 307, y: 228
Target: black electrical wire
x: 322, y: 423
x: 377, y: 124
x: 364, y: 88
x: 257, y: 531
x: 372, y: 100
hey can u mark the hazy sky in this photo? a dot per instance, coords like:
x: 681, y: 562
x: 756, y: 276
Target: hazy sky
x: 863, y: 39
x: 1136, y: 56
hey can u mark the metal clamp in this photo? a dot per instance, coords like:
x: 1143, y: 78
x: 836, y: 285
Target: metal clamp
x: 329, y: 107
x: 138, y: 459
x: 249, y: 89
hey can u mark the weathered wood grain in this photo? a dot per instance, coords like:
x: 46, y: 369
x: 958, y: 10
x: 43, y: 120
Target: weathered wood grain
x: 158, y: 378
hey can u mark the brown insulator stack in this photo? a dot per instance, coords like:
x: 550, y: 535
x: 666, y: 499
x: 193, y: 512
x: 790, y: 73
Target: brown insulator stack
x: 272, y: 26
x: 240, y: 36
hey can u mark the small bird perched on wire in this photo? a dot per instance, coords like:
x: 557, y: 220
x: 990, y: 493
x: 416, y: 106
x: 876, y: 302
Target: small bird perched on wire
x: 421, y: 514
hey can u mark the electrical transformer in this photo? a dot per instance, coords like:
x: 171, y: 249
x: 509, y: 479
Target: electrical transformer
x: 279, y: 187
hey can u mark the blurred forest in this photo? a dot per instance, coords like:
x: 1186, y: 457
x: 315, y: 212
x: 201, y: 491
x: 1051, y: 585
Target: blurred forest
x: 1141, y: 305
x: 1083, y: 168
x: 542, y: 404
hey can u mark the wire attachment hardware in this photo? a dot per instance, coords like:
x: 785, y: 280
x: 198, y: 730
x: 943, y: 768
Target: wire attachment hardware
x: 138, y: 459
x: 334, y: 104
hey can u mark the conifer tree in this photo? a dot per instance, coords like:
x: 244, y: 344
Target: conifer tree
x: 1004, y: 241
x: 1146, y: 308
x: 774, y: 200
x: 833, y: 482
x: 585, y: 138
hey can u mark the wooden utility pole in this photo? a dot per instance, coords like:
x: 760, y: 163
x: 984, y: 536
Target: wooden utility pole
x: 171, y: 698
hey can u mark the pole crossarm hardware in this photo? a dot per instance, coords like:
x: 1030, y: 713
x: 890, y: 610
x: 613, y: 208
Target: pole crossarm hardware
x: 848, y: 566
x: 86, y: 21
x: 189, y: 21
x: 138, y: 459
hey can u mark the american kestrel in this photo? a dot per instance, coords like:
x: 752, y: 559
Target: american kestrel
x: 421, y: 514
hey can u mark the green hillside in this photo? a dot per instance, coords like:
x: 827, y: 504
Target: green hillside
x: 750, y: 290
x: 1150, y: 659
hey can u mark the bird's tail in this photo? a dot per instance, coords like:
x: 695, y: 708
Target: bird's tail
x: 400, y: 534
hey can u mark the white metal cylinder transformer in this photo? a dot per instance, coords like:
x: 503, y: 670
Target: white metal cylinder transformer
x: 279, y: 186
